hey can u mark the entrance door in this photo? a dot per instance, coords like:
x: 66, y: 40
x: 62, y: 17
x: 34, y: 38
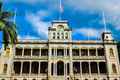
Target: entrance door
x: 60, y: 68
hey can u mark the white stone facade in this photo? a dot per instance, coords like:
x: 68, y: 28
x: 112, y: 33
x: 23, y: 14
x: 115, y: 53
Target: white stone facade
x: 61, y: 58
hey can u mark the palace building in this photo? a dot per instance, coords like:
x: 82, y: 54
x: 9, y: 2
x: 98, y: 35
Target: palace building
x: 61, y: 58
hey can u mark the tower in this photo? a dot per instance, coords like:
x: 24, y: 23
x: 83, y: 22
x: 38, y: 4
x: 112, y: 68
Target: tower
x: 59, y: 31
x: 111, y: 54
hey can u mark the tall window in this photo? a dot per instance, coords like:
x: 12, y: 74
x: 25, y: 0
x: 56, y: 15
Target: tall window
x: 60, y: 52
x: 102, y: 67
x: 68, y: 52
x: 17, y: 67
x: 111, y: 52
x: 66, y: 35
x: 5, y: 68
x: 44, y: 67
x: 76, y: 67
x: 85, y: 67
x: 62, y: 34
x: 68, y: 68
x: 53, y: 52
x: 26, y: 67
x: 34, y: 67
x: 52, y: 68
x: 94, y: 68
x: 114, y: 68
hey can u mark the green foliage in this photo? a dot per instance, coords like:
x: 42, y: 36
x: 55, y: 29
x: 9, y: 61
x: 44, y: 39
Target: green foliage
x: 8, y: 27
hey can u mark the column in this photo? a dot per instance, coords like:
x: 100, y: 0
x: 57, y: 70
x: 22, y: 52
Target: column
x: 96, y: 52
x: 81, y: 69
x: 23, y: 52
x: 54, y: 68
x: 39, y: 68
x: 30, y: 68
x: 64, y: 70
x: 55, y: 51
x: 98, y: 68
x: 79, y: 52
x: 31, y: 51
x: 21, y: 67
x: 64, y: 52
x: 49, y: 61
x: 89, y: 68
x: 40, y: 52
x: 71, y: 64
x: 88, y: 51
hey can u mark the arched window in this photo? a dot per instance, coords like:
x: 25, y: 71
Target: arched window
x: 60, y: 68
x: 114, y: 68
x: 53, y: 35
x: 62, y: 34
x: 66, y: 36
x: 111, y: 52
x: 58, y: 35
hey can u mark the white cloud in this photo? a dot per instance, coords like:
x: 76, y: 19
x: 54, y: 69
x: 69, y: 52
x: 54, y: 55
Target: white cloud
x: 110, y: 7
x: 40, y: 26
x: 27, y: 37
x: 90, y: 32
x: 87, y: 32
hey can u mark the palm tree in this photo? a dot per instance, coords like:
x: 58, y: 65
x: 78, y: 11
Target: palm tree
x: 7, y: 27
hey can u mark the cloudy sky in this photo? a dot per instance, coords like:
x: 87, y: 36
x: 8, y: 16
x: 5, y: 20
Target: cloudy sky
x: 84, y: 16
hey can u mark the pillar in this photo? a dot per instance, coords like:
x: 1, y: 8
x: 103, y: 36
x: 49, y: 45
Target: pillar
x: 21, y: 67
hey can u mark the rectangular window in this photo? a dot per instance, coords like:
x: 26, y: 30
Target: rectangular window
x: 52, y: 52
x: 35, y: 52
x: 84, y: 52
x: 27, y: 52
x: 18, y: 51
x: 60, y: 52
x: 100, y: 51
x: 44, y: 52
x: 52, y: 68
x: 68, y: 68
x: 92, y: 52
x: 5, y: 68
x: 75, y: 52
x: 68, y: 52
x: 44, y: 67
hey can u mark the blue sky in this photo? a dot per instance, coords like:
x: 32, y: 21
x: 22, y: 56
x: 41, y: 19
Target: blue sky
x: 84, y: 16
